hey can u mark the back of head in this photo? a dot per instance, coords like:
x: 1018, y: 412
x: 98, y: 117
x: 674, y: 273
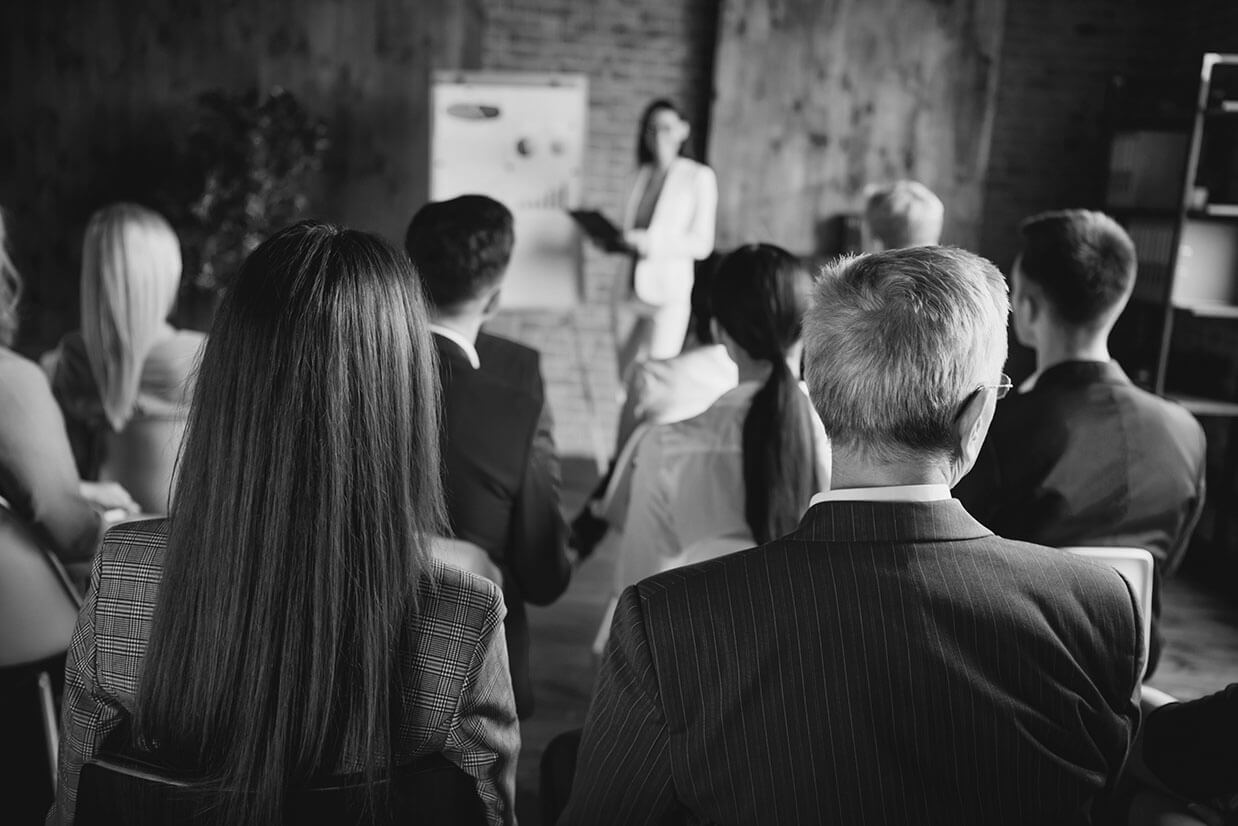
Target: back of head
x: 131, y: 269
x: 759, y: 296
x: 904, y: 214
x: 895, y: 343
x: 10, y: 291
x: 460, y: 248
x: 1083, y: 262
x: 307, y: 486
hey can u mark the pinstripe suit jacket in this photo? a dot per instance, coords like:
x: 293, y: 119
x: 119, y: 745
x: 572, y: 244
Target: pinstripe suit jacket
x: 458, y: 696
x: 886, y: 663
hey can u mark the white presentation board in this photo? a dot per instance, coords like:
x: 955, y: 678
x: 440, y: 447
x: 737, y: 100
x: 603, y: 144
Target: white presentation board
x: 519, y: 138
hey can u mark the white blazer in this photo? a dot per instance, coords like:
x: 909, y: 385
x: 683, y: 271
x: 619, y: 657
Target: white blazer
x: 680, y: 231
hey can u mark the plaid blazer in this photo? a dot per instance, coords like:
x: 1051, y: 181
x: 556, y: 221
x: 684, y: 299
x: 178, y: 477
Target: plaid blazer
x: 458, y: 696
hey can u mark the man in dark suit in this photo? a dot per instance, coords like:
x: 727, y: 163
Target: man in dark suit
x: 1080, y: 455
x: 502, y: 472
x: 891, y: 661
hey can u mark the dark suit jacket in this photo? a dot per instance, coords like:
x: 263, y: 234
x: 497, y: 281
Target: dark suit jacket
x: 885, y: 663
x: 1087, y: 458
x: 502, y: 480
x: 1190, y: 746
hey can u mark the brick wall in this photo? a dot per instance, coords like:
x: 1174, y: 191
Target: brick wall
x: 631, y: 52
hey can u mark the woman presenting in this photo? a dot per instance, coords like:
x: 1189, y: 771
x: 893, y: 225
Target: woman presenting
x: 669, y: 224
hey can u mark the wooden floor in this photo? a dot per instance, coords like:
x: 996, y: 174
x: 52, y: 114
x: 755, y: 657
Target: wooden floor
x: 1199, y: 622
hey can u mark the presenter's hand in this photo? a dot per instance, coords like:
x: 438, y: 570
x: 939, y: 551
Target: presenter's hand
x: 638, y: 240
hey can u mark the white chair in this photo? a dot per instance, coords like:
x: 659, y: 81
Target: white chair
x: 466, y: 556
x: 142, y: 459
x: 704, y: 549
x: 1136, y: 567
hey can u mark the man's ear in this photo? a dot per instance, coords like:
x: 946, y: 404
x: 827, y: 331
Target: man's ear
x: 970, y: 428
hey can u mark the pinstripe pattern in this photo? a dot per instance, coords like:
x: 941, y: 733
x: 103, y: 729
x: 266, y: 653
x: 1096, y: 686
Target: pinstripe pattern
x: 886, y: 663
x: 457, y: 701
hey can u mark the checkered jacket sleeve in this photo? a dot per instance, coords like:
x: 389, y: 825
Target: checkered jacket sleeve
x: 89, y: 714
x: 484, y: 734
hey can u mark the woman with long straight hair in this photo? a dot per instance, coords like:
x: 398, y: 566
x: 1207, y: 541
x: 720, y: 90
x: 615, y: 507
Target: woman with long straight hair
x: 286, y: 622
x: 742, y: 472
x: 127, y: 364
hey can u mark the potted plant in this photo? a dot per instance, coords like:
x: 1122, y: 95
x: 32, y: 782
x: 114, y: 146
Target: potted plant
x: 256, y: 157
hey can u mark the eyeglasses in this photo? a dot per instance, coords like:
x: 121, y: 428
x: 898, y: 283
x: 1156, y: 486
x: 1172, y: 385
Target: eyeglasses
x: 1002, y: 388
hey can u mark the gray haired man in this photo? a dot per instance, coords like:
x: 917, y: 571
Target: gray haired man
x: 891, y: 660
x: 903, y: 214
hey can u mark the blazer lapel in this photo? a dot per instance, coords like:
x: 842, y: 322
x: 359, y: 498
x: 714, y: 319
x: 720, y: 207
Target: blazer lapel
x: 638, y: 190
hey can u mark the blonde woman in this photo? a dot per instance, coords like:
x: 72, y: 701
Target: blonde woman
x: 38, y: 482
x: 124, y: 380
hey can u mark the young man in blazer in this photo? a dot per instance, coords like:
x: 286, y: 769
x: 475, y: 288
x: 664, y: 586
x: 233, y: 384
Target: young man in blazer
x: 501, y: 469
x: 891, y: 661
x: 1080, y: 455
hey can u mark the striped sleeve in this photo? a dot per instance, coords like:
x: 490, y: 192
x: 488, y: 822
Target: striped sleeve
x: 623, y: 773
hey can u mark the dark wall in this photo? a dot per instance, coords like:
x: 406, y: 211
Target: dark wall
x: 96, y: 94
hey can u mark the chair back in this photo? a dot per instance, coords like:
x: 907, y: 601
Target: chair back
x: 38, y: 607
x: 703, y: 549
x: 142, y: 458
x: 1136, y: 567
x: 466, y: 556
x: 121, y: 790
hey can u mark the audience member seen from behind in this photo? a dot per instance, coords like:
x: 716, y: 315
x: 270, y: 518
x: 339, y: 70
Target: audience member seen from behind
x: 501, y: 470
x: 669, y: 225
x: 127, y: 369
x: 903, y: 214
x: 742, y: 472
x: 293, y: 623
x: 1080, y: 455
x: 38, y: 481
x: 931, y: 671
x: 1188, y: 749
x: 658, y: 391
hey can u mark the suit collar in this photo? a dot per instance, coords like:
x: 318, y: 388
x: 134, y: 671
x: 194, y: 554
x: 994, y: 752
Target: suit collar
x: 463, y: 346
x: 853, y: 521
x: 1072, y: 373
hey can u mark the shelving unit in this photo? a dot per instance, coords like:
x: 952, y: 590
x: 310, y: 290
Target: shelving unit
x: 1173, y: 182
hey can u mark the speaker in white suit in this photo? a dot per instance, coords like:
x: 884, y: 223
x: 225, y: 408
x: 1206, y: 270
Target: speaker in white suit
x: 669, y: 224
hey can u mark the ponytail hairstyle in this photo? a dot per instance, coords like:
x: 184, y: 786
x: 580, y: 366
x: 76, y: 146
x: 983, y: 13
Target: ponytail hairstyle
x: 10, y: 292
x: 759, y: 295
x: 308, y: 487
x: 131, y: 270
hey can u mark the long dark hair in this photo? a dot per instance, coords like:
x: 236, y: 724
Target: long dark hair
x: 643, y: 154
x: 759, y: 295
x: 307, y: 488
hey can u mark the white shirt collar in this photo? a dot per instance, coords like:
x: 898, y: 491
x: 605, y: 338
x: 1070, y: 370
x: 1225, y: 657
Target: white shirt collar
x: 470, y: 350
x: 892, y: 493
